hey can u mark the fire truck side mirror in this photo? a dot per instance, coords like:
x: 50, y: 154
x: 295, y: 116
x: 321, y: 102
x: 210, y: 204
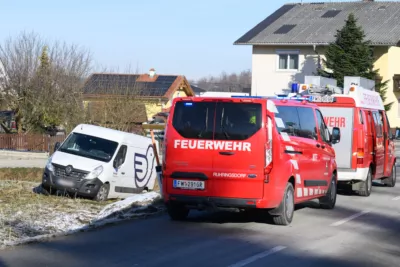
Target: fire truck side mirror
x: 335, y: 137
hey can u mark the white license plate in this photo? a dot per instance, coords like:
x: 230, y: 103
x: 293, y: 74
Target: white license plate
x: 187, y: 184
x: 65, y: 183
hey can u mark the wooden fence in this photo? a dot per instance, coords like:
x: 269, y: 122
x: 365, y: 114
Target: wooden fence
x: 29, y: 142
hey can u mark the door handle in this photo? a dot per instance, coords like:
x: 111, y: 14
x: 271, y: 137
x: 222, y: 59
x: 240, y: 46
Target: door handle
x: 226, y: 153
x: 122, y: 172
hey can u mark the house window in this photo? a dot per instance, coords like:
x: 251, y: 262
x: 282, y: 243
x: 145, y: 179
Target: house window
x: 396, y: 83
x: 288, y: 60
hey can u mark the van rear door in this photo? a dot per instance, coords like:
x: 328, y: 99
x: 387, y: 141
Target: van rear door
x: 218, y: 144
x: 187, y: 153
x: 239, y: 149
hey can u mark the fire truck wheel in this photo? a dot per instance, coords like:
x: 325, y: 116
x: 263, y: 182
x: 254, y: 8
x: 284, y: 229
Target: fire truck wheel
x: 365, y: 187
x: 177, y: 212
x: 286, y: 217
x: 329, y: 200
x: 391, y: 181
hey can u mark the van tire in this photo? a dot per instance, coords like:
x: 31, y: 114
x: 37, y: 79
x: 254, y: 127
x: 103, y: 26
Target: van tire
x: 329, y: 200
x: 286, y: 217
x: 366, y: 186
x: 102, y: 194
x: 391, y: 180
x: 177, y: 212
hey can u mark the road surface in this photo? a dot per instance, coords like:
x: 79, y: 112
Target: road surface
x: 358, y: 232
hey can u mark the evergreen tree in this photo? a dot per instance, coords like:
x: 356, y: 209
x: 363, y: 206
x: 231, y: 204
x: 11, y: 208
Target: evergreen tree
x: 352, y: 55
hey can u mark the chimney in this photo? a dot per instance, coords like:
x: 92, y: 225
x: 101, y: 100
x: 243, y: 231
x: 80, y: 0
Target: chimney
x: 152, y: 72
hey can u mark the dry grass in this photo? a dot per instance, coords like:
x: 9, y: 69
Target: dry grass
x: 25, y: 213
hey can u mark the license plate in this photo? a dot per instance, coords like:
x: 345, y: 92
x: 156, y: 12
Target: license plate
x: 65, y: 183
x: 186, y: 184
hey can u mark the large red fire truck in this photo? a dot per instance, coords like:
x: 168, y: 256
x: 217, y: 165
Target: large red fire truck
x: 366, y: 151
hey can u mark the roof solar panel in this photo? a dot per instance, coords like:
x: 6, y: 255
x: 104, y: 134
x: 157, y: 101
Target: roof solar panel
x: 330, y: 14
x: 285, y: 29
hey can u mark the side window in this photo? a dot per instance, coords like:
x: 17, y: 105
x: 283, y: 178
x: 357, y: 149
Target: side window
x: 287, y: 120
x: 120, y: 157
x: 308, y: 126
x: 378, y: 124
x: 360, y: 116
x: 325, y: 135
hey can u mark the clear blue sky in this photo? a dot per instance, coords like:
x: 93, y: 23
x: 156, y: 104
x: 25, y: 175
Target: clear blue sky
x: 193, y: 38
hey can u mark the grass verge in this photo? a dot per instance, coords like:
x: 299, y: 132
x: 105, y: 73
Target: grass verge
x: 25, y: 213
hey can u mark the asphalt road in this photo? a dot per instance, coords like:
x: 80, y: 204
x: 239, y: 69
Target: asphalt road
x: 358, y: 232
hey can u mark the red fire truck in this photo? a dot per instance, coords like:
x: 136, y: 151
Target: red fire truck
x: 366, y: 151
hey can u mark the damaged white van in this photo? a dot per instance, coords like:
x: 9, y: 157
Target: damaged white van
x: 101, y: 163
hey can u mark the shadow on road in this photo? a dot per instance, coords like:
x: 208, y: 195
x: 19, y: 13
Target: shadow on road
x: 161, y: 242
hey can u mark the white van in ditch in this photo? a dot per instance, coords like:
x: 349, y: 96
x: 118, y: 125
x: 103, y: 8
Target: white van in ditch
x: 101, y: 163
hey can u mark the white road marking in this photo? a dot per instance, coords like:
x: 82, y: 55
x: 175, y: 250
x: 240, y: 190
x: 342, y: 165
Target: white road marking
x: 396, y: 198
x: 345, y: 220
x: 258, y: 256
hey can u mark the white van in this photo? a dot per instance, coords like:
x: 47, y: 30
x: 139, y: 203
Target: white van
x: 101, y: 163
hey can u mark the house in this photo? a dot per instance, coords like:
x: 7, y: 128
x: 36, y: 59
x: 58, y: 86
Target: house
x: 152, y: 93
x: 290, y: 43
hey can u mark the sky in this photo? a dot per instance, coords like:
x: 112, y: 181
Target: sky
x: 191, y: 38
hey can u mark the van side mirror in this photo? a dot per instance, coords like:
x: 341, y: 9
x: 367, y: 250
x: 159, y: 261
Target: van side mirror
x: 335, y: 137
x: 56, y: 146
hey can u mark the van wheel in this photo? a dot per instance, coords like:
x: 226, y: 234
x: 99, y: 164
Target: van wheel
x: 329, y: 200
x: 366, y: 187
x: 391, y: 181
x: 286, y: 217
x: 102, y: 194
x: 177, y: 212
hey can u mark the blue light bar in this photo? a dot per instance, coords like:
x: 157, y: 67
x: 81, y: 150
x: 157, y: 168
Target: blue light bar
x: 188, y: 104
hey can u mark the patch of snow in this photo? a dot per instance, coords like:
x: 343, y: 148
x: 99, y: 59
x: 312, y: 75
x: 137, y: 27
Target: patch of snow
x: 127, y: 203
x: 50, y: 223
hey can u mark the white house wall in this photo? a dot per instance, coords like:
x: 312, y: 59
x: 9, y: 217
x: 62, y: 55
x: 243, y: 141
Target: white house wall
x: 267, y: 79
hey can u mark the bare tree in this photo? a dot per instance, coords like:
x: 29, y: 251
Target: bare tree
x: 41, y: 81
x: 226, y: 82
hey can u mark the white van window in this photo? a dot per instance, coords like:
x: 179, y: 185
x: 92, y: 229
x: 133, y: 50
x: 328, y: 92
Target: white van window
x: 89, y: 147
x: 120, y: 157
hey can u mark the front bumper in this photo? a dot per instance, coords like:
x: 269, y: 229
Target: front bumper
x: 359, y: 174
x: 83, y: 187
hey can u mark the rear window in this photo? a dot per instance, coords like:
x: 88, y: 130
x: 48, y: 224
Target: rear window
x: 296, y: 121
x: 233, y: 121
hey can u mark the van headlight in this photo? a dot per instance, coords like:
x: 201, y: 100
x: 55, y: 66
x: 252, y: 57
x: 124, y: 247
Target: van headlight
x: 49, y: 166
x: 95, y: 173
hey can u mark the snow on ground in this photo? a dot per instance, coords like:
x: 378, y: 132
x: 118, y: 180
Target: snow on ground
x: 42, y: 220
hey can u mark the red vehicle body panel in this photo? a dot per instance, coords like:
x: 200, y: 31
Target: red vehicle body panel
x: 370, y: 143
x: 236, y: 173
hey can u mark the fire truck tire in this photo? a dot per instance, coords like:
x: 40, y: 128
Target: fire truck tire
x: 329, y: 200
x: 177, y: 212
x: 366, y: 186
x: 286, y: 216
x: 391, y: 181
